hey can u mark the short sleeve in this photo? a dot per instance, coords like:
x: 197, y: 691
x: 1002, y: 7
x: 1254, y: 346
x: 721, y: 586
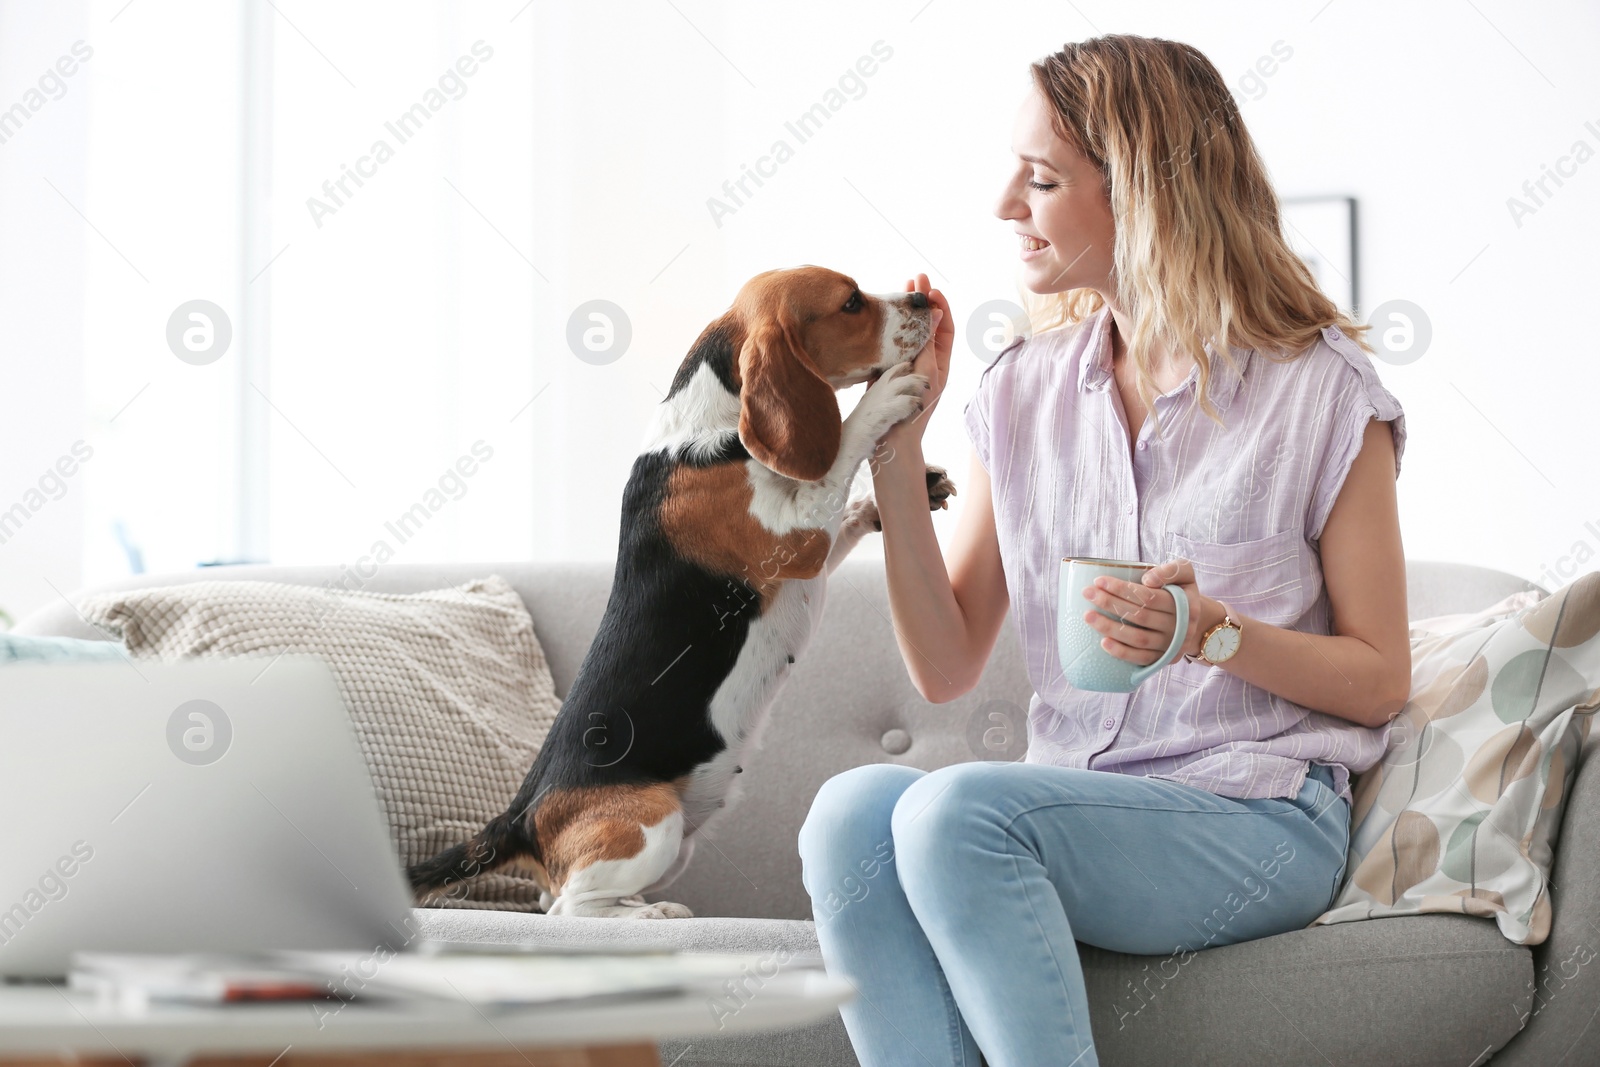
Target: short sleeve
x: 1360, y: 398
x: 976, y: 414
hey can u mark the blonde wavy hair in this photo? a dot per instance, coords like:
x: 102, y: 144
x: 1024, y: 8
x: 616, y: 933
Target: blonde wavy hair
x: 1200, y: 254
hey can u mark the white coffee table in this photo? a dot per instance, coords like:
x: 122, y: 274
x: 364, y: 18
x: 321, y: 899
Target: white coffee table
x: 50, y: 1025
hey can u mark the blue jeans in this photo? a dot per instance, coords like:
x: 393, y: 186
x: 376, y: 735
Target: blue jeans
x: 952, y: 899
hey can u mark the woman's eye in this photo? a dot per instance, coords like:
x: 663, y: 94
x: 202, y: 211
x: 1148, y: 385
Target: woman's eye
x: 1042, y: 187
x: 853, y: 304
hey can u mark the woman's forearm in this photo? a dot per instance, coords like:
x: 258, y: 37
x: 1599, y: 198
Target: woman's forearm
x: 1334, y: 674
x: 929, y: 623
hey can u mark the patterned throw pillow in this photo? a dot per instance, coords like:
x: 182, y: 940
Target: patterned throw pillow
x: 449, y: 691
x: 1462, y: 812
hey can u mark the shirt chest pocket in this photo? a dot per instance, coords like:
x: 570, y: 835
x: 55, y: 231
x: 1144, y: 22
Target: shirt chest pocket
x: 1262, y: 579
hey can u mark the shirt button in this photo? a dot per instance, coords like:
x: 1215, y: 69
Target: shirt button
x: 1130, y: 509
x: 1141, y: 446
x: 1333, y: 332
x: 1109, y: 723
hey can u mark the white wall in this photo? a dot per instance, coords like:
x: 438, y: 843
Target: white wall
x: 1434, y: 119
x: 436, y: 327
x: 1427, y: 114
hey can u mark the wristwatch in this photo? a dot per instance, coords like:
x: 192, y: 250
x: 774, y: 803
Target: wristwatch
x: 1221, y: 642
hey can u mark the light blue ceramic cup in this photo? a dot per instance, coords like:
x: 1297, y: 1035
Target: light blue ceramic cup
x: 1085, y: 664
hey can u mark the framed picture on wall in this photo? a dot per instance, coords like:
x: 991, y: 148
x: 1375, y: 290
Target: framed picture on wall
x: 1322, y: 230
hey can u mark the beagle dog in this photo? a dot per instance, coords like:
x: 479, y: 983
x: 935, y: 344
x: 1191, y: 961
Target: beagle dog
x: 736, y: 511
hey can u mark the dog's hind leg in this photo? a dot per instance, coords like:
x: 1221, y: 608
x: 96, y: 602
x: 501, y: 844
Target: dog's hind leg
x: 685, y: 854
x: 860, y: 519
x: 602, y: 851
x: 611, y: 888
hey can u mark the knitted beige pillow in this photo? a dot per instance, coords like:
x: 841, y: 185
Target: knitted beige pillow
x: 448, y: 690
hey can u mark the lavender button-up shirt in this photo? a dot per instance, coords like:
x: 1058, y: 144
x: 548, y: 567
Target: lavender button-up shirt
x: 1245, y: 504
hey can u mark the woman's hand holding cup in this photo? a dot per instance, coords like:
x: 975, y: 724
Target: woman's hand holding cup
x: 1150, y: 611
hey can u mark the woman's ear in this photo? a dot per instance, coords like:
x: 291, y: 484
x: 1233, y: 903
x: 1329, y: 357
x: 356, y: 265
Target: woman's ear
x: 788, y: 413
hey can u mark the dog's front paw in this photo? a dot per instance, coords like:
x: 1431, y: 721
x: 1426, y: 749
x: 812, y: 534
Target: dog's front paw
x: 940, y: 488
x: 893, y: 398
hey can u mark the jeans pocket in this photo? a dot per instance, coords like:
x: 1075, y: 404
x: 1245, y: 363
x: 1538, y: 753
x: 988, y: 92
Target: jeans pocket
x: 1342, y: 814
x: 1338, y: 878
x: 1316, y: 792
x: 1331, y: 815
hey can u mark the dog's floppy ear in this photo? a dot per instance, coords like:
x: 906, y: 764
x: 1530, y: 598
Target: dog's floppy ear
x: 788, y: 414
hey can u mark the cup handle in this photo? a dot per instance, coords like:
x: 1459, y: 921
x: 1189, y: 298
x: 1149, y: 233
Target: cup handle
x: 1180, y: 602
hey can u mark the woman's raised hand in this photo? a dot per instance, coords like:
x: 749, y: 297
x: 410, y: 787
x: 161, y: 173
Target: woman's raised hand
x: 933, y: 361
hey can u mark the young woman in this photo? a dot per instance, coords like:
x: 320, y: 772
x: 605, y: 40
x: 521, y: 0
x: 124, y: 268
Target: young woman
x: 1197, y: 402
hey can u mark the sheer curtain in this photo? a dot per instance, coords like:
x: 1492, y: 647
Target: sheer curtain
x: 406, y: 213
x: 349, y: 186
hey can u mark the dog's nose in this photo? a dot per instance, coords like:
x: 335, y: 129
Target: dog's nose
x: 919, y: 300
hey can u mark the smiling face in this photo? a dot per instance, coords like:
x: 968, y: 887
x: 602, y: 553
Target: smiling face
x: 1056, y: 199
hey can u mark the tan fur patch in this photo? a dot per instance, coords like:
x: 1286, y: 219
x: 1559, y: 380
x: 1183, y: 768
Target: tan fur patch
x: 706, y: 517
x: 579, y: 827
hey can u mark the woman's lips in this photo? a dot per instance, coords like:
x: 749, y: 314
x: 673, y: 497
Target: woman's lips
x: 1032, y: 246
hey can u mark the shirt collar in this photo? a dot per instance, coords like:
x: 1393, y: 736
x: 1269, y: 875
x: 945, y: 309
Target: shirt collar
x: 1095, y: 371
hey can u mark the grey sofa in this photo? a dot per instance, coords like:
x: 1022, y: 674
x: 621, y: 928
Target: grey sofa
x: 1439, y: 990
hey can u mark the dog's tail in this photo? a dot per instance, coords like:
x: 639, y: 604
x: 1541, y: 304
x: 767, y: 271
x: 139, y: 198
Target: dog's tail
x: 504, y: 840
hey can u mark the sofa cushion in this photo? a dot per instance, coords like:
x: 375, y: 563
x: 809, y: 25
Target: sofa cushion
x: 849, y: 700
x: 1462, y: 812
x: 1425, y: 990
x: 1564, y: 988
x: 448, y: 690
x: 1470, y: 620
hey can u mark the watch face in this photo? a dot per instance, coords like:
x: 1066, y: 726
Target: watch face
x: 1222, y: 645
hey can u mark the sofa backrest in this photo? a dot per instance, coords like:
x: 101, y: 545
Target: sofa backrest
x: 848, y: 701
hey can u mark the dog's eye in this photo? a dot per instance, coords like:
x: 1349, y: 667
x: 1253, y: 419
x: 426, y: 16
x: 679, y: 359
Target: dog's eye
x: 853, y: 304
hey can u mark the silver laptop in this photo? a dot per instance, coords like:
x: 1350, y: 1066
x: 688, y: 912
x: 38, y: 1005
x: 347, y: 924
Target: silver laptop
x: 208, y: 805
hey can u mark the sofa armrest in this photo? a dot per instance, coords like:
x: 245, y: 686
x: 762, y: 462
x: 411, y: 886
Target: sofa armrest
x: 1561, y: 1025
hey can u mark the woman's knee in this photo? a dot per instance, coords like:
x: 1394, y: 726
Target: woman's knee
x: 851, y: 811
x: 943, y: 806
